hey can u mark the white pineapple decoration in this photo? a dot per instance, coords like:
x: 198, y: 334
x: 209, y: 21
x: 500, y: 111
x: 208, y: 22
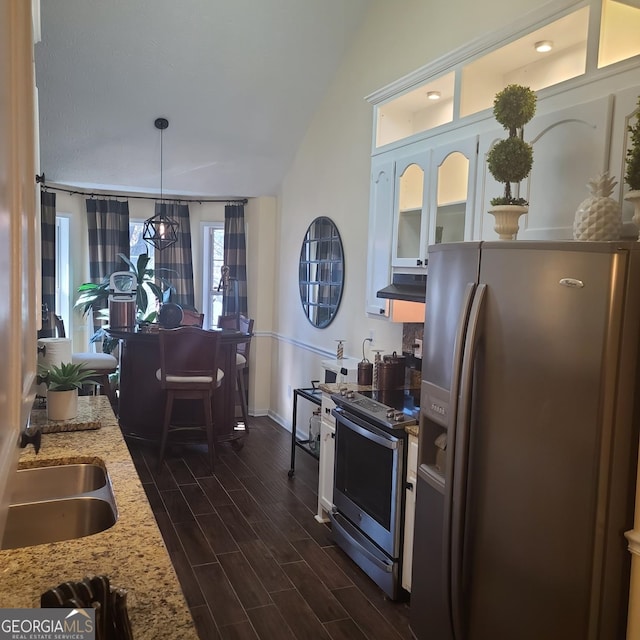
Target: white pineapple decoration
x: 599, y: 217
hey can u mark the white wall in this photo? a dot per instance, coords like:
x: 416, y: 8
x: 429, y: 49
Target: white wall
x: 330, y: 174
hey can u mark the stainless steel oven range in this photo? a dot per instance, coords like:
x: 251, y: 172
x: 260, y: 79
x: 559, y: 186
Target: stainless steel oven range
x: 369, y: 476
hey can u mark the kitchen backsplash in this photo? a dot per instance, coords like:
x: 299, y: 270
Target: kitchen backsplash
x: 410, y: 332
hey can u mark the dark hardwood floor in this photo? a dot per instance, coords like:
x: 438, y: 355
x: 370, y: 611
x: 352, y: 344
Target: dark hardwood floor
x: 252, y: 561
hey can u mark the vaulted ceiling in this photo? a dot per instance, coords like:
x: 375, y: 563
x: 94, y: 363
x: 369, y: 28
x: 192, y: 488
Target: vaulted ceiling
x: 238, y: 80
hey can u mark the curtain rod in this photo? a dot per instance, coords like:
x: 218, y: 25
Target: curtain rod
x: 76, y: 192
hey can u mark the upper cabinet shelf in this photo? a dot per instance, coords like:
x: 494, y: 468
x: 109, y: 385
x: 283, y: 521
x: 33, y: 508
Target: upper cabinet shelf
x: 567, y: 40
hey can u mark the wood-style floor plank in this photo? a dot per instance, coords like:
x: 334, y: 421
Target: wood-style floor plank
x: 265, y: 566
x: 222, y: 599
x: 248, y: 588
x: 269, y: 624
x: 196, y: 499
x: 216, y: 533
x: 299, y: 615
x: 252, y: 560
x: 318, y: 597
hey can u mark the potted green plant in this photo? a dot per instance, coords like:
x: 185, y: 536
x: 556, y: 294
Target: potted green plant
x: 510, y: 160
x: 94, y: 297
x: 632, y: 174
x: 62, y: 382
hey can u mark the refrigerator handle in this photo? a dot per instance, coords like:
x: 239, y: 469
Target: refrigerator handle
x: 461, y: 458
x: 461, y: 329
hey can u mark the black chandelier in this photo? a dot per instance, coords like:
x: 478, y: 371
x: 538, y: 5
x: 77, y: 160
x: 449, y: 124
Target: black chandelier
x: 161, y: 230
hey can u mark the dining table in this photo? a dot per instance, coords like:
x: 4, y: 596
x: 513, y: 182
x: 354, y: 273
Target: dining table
x: 141, y: 400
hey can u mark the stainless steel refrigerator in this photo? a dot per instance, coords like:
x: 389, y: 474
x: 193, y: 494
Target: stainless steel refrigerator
x: 528, y: 441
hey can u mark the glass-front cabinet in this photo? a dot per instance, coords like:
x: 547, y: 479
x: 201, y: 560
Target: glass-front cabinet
x: 433, y: 199
x: 453, y: 171
x: 410, y: 209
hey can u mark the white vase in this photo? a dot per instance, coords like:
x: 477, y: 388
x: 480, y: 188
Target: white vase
x: 507, y: 218
x: 62, y: 405
x: 634, y: 198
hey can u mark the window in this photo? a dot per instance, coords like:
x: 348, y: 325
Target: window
x: 63, y: 276
x: 213, y: 253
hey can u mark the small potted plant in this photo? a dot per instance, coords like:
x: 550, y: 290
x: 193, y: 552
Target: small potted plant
x: 632, y: 175
x: 62, y: 382
x: 510, y: 160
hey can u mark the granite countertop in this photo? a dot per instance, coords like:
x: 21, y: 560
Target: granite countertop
x: 131, y: 553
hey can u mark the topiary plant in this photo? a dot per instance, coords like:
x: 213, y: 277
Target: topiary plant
x: 632, y: 176
x: 511, y: 160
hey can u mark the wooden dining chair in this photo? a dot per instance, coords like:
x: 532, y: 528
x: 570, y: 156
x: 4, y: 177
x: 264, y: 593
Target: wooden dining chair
x: 189, y: 371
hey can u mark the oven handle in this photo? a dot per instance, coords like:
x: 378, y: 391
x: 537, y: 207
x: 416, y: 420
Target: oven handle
x: 351, y: 540
x: 365, y: 430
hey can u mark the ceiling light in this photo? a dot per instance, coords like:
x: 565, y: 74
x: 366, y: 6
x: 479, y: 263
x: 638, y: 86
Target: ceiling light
x: 543, y: 46
x: 161, y: 231
x: 433, y: 95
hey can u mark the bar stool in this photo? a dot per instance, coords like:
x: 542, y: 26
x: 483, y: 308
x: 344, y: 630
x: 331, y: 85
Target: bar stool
x: 189, y: 371
x: 104, y: 364
x: 245, y: 325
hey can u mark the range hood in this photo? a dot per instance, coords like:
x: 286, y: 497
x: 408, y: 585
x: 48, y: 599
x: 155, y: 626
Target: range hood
x: 405, y: 286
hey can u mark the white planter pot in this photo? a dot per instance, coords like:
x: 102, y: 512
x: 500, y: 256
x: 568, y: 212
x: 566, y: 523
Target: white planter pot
x: 62, y: 405
x: 507, y: 219
x: 634, y: 198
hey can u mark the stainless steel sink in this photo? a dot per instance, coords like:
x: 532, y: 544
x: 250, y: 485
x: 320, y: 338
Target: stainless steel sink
x: 65, y: 502
x: 61, y: 481
x: 34, y: 523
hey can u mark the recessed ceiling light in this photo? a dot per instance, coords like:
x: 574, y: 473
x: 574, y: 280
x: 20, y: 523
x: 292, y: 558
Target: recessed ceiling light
x: 543, y: 46
x: 433, y: 95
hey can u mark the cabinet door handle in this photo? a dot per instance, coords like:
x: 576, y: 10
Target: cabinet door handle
x: 381, y: 311
x: 333, y: 435
x: 409, y: 486
x: 419, y: 263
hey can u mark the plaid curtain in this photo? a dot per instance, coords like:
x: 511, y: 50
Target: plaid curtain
x: 177, y: 257
x: 48, y: 236
x: 235, y: 257
x: 108, y: 222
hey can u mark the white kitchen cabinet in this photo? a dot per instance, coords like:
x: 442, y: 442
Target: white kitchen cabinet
x: 380, y: 232
x: 452, y: 191
x: 327, y: 456
x: 421, y: 194
x: 410, y: 509
x: 410, y: 207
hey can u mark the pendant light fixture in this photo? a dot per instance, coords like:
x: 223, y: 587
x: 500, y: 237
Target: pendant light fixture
x: 161, y: 230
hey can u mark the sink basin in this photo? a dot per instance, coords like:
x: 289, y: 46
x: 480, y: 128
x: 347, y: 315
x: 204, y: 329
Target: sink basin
x: 61, y: 481
x: 56, y: 503
x: 34, y: 523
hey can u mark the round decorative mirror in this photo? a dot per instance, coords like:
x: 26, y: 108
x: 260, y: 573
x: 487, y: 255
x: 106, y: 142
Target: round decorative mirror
x: 321, y: 272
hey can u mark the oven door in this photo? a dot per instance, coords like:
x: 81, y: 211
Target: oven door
x: 368, y: 480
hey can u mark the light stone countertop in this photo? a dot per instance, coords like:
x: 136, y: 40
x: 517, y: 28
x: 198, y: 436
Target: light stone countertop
x: 131, y: 553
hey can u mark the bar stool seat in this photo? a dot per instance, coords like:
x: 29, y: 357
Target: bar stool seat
x: 104, y: 364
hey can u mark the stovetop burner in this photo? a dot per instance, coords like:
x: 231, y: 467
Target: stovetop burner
x: 392, y: 409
